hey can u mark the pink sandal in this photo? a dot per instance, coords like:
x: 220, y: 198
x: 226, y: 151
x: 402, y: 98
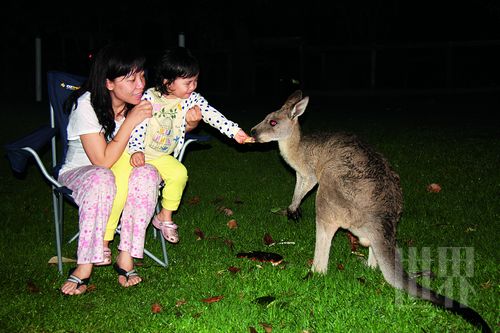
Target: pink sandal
x: 168, y: 230
x: 107, y: 258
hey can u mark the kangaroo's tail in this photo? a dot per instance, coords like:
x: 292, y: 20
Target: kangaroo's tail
x: 392, y: 269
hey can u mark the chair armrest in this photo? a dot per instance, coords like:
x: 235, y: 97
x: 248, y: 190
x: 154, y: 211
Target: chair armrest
x: 19, y: 151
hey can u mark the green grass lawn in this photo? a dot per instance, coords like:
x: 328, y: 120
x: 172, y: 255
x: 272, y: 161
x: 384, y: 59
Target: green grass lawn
x: 462, y: 155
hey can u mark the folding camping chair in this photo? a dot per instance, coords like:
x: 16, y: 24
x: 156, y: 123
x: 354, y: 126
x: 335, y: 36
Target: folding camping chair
x: 60, y: 85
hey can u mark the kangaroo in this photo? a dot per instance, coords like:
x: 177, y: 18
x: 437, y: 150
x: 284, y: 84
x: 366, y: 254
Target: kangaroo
x: 357, y: 190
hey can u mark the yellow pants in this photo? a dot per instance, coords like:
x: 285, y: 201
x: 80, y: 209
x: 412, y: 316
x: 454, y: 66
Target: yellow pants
x: 173, y: 173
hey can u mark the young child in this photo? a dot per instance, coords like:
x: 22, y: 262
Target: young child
x: 177, y: 109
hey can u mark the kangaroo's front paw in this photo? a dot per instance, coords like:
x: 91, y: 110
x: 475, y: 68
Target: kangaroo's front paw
x: 294, y: 215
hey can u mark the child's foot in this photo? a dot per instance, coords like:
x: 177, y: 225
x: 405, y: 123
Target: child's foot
x: 168, y: 229
x: 78, y: 280
x: 124, y: 266
x: 107, y: 258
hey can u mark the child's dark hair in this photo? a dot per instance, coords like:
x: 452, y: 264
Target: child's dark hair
x: 112, y: 61
x: 174, y: 63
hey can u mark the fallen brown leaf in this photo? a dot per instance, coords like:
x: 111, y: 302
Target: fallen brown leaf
x: 212, y: 299
x: 32, y: 287
x: 340, y: 267
x: 353, y: 240
x: 268, y: 239
x: 252, y: 329
x: 233, y: 269
x: 180, y: 302
x: 226, y: 211
x: 199, y: 233
x: 267, y: 327
x: 434, y: 188
x: 156, y: 308
x: 487, y: 285
x: 194, y: 200
x: 91, y: 288
x: 53, y: 260
x: 232, y: 224
x: 274, y: 258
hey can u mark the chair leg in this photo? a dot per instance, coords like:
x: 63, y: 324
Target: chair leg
x: 57, y: 205
x: 164, y: 249
x: 155, y: 258
x: 74, y: 237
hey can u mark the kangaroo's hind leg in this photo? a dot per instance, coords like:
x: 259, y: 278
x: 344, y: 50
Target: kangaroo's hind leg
x: 324, y: 234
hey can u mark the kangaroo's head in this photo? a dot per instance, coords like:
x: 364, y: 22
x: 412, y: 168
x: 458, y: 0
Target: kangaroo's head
x: 279, y: 125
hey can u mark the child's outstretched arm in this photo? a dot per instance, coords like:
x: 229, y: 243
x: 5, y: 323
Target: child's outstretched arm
x: 217, y: 120
x: 241, y: 137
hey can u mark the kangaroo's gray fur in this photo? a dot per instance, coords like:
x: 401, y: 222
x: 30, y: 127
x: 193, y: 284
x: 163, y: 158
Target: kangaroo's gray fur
x: 357, y: 190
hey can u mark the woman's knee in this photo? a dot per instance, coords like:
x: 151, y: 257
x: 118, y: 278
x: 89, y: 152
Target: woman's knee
x: 146, y: 173
x: 103, y: 178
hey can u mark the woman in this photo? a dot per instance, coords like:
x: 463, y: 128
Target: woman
x: 103, y: 114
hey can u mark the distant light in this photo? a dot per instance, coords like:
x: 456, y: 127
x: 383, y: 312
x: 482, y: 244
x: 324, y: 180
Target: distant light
x: 90, y: 56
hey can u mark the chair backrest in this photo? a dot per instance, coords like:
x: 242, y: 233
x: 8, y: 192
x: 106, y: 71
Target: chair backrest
x: 60, y: 86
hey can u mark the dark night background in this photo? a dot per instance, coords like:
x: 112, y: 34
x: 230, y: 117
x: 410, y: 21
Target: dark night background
x: 266, y: 48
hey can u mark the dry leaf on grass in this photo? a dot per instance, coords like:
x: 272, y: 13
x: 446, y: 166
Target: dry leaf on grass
x: 53, y: 260
x: 226, y: 211
x: 194, y: 200
x: 180, y: 302
x: 274, y: 258
x: 233, y: 269
x: 91, y: 288
x: 232, y: 224
x: 212, y: 299
x: 268, y: 240
x: 156, y: 308
x: 199, y: 233
x: 434, y: 188
x: 353, y: 240
x: 267, y: 327
x: 32, y: 287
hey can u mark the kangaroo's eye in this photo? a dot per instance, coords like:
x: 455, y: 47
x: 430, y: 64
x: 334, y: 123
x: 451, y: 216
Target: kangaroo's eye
x: 273, y: 123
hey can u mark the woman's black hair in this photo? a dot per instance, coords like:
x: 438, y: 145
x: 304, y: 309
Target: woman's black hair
x: 112, y: 61
x: 174, y: 63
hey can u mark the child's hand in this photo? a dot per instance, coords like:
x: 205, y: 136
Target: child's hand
x: 193, y: 117
x: 140, y: 112
x: 242, y: 137
x: 137, y: 159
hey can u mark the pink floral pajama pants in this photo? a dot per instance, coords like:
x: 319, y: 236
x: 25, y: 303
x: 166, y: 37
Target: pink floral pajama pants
x: 94, y: 191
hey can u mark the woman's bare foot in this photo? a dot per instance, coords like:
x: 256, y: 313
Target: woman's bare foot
x: 77, y: 281
x: 127, y: 277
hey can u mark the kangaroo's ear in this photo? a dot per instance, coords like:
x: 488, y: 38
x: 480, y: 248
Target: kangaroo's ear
x: 299, y: 108
x: 292, y: 99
